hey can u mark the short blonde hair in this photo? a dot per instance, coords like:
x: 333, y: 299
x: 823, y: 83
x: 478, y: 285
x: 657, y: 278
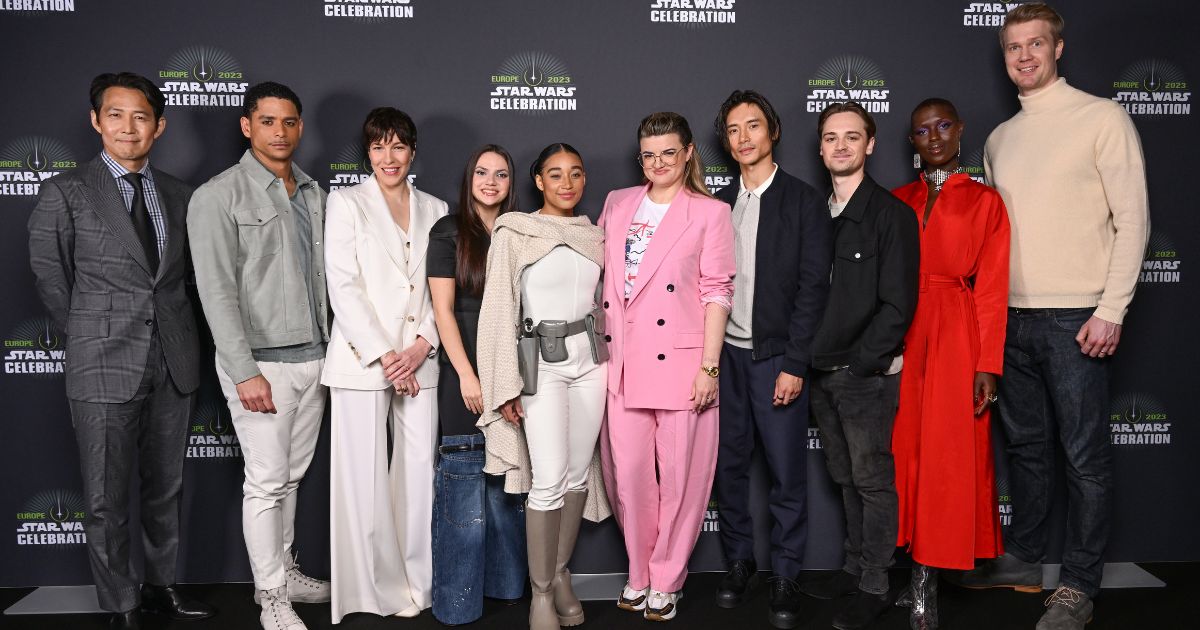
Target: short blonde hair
x: 1034, y: 11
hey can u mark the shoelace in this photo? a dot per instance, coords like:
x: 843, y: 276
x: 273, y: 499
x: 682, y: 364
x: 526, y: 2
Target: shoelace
x: 303, y: 579
x: 284, y: 613
x: 787, y: 584
x: 1066, y: 596
x: 658, y: 597
x: 742, y: 570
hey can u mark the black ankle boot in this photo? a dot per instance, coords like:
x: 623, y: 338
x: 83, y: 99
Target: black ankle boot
x: 923, y: 615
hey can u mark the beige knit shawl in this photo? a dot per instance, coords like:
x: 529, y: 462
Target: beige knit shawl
x: 519, y: 240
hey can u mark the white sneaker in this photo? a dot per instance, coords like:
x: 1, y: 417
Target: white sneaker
x: 662, y: 606
x: 632, y: 600
x: 277, y: 612
x: 301, y: 588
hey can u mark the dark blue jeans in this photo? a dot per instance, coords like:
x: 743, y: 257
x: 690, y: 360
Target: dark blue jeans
x: 478, y: 536
x: 1052, y: 394
x: 749, y: 421
x: 855, y: 414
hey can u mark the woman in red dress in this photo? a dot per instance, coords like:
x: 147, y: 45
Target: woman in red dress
x: 953, y: 354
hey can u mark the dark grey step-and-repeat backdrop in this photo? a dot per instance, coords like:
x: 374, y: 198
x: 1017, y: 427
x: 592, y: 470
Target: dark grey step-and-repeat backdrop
x: 525, y: 73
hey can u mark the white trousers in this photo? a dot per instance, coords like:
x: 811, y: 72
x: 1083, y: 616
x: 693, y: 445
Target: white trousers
x: 381, y: 511
x: 277, y: 449
x: 562, y: 423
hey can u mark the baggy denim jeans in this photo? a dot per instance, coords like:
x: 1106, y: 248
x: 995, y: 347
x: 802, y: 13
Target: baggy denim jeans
x: 855, y: 414
x: 1052, y: 394
x: 478, y: 535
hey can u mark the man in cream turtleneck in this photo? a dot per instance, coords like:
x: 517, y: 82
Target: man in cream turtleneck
x: 1069, y: 166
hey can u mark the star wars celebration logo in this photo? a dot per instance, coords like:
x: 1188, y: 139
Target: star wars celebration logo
x: 212, y: 435
x: 1153, y: 89
x: 34, y: 348
x: 973, y: 165
x: 351, y: 167
x: 52, y: 518
x: 814, y: 439
x: 533, y: 82
x: 717, y: 172
x: 849, y: 78
x: 1139, y: 420
x: 693, y: 12
x: 203, y: 76
x: 28, y: 161
x: 369, y: 10
x: 987, y: 14
x: 37, y: 7
x: 1004, y: 502
x: 1161, y: 264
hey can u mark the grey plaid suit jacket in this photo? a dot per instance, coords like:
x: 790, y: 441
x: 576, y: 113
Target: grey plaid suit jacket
x: 93, y: 278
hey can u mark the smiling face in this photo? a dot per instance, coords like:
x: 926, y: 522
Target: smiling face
x: 668, y: 167
x: 490, y: 181
x: 1031, y: 56
x: 844, y: 144
x: 936, y: 135
x: 274, y: 129
x: 390, y: 161
x: 748, y: 135
x: 561, y: 181
x: 127, y: 126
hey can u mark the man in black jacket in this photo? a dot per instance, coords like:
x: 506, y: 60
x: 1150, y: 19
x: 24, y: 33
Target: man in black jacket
x: 857, y: 358
x: 782, y: 248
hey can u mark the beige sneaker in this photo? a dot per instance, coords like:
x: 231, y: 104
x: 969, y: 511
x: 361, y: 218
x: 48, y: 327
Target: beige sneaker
x: 277, y: 612
x: 662, y: 606
x: 301, y: 588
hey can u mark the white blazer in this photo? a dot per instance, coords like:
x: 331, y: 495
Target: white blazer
x: 379, y: 302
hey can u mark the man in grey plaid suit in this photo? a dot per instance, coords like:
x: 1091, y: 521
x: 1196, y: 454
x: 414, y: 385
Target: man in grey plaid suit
x: 107, y: 243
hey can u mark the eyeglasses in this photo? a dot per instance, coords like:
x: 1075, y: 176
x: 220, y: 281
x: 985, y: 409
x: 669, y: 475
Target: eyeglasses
x: 670, y: 157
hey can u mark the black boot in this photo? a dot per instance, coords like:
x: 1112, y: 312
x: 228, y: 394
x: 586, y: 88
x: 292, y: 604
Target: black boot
x: 738, y: 582
x: 128, y: 620
x: 784, y: 610
x: 861, y: 610
x: 169, y: 602
x: 923, y: 614
x: 836, y: 585
x: 1007, y: 571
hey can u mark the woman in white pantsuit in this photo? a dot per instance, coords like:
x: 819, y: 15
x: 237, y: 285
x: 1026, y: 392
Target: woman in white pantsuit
x: 381, y: 380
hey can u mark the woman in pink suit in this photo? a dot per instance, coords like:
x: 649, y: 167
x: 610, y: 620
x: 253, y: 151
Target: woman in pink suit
x: 666, y: 316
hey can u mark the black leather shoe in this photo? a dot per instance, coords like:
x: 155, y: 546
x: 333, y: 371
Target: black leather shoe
x: 736, y: 585
x: 1007, y: 571
x: 861, y: 611
x: 128, y: 620
x: 784, y: 611
x: 836, y: 585
x: 169, y: 602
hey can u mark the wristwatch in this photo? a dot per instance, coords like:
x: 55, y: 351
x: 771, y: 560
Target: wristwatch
x: 713, y: 370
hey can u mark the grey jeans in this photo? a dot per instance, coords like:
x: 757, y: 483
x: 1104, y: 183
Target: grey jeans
x: 855, y: 415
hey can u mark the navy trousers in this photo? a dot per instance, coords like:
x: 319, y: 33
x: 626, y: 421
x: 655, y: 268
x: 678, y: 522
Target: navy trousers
x: 749, y: 421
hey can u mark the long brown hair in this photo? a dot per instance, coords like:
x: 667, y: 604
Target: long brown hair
x: 663, y: 123
x: 470, y: 268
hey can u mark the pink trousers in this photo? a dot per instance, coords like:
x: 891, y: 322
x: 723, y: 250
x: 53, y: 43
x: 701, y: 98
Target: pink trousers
x: 659, y: 513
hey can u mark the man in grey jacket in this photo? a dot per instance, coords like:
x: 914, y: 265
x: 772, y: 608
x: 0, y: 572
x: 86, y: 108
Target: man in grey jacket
x: 108, y: 248
x: 256, y: 233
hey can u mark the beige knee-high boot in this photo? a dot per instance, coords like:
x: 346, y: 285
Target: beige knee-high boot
x: 541, y: 536
x: 570, y: 611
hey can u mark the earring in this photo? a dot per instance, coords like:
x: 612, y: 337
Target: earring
x: 917, y: 160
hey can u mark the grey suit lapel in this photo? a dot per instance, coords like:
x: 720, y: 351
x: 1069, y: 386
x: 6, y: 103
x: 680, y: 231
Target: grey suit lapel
x: 106, y: 201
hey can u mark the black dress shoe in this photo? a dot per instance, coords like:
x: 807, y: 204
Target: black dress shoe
x: 784, y: 611
x: 836, y: 585
x: 861, y: 610
x: 737, y: 584
x: 169, y: 602
x: 128, y: 620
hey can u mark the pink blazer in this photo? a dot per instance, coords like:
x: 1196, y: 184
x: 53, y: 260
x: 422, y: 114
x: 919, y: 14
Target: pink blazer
x: 657, y: 336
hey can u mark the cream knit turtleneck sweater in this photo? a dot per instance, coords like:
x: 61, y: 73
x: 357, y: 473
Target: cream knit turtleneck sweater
x: 1069, y: 167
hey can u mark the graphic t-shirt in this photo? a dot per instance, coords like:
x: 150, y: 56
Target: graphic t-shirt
x: 645, y: 222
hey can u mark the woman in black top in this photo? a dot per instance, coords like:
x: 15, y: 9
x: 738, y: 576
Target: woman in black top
x: 478, y: 529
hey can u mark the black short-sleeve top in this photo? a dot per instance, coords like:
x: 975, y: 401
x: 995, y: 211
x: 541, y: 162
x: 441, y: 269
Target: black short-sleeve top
x: 440, y: 262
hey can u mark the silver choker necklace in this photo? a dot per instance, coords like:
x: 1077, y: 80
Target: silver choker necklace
x: 938, y: 177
